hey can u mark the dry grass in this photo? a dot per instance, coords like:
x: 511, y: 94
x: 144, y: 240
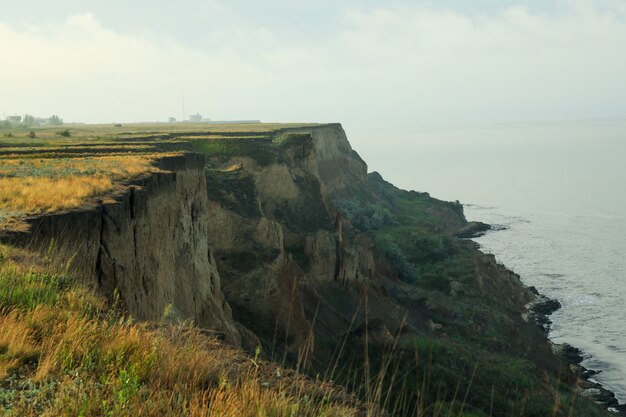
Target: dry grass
x: 41, y: 195
x: 16, y: 344
x: 74, y: 356
x: 117, y: 166
x: 36, y: 186
x: 115, y: 367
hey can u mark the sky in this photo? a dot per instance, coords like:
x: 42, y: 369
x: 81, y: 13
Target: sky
x: 363, y: 63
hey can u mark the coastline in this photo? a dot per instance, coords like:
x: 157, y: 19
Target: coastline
x: 539, y: 312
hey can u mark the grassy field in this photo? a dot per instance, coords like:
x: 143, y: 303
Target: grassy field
x: 45, y: 170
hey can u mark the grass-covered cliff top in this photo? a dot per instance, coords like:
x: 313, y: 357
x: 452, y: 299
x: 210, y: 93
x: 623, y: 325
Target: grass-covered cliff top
x: 46, y: 170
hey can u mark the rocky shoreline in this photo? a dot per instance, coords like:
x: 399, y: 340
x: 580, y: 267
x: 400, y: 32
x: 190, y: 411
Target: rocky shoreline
x: 539, y: 311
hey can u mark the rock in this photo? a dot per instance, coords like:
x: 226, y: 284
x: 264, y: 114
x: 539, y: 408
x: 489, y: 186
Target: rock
x: 456, y: 288
x: 591, y: 392
x: 588, y: 373
x: 434, y: 326
x: 540, y: 309
x: 569, y: 353
x: 472, y: 230
x: 546, y: 306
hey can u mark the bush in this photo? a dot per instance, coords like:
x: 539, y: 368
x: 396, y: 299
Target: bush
x: 65, y: 133
x: 366, y: 217
x: 432, y: 248
x: 399, y: 263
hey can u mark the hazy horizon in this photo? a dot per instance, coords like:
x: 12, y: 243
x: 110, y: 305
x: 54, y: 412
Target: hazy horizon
x: 367, y: 63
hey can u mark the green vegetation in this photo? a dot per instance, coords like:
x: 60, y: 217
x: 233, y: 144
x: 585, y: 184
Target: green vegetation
x: 399, y: 263
x: 30, y: 289
x: 467, y: 362
x: 306, y: 213
x: 235, y: 190
x: 260, y: 150
x: 64, y: 353
x: 367, y: 216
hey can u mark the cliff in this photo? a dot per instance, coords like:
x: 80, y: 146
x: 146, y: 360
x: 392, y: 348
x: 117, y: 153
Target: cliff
x: 147, y: 249
x: 283, y: 240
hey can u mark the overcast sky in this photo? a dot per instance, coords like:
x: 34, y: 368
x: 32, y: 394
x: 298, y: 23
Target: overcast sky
x: 363, y: 62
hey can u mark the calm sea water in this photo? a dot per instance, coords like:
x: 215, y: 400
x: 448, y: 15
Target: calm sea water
x: 559, y: 188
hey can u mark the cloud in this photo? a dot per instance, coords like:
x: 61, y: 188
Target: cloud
x: 385, y: 65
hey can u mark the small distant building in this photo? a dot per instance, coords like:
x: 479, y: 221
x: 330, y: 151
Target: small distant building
x: 195, y: 118
x: 14, y: 119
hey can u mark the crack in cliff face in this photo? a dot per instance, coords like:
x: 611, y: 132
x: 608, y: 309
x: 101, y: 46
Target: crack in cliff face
x: 105, y: 264
x: 101, y: 248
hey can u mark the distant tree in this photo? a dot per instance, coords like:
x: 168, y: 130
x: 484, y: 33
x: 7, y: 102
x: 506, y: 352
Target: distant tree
x: 5, y: 124
x: 65, y: 133
x: 28, y: 120
x: 55, y: 120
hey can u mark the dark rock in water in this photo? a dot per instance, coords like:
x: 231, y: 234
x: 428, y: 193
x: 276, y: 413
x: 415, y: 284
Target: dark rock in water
x: 588, y: 373
x: 588, y: 388
x: 540, y: 309
x: 498, y: 227
x: 533, y: 289
x: 472, y: 230
x: 546, y: 306
x: 569, y: 353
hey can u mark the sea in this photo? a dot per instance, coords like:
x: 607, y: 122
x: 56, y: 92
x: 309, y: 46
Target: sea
x: 558, y: 189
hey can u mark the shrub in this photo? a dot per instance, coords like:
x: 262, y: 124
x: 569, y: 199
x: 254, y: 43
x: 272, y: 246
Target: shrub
x: 432, y: 248
x: 366, y: 217
x: 65, y: 133
x: 399, y: 263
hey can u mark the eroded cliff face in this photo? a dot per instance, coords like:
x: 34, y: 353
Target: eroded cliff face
x: 148, y: 249
x: 300, y: 276
x: 276, y: 251
x: 154, y: 251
